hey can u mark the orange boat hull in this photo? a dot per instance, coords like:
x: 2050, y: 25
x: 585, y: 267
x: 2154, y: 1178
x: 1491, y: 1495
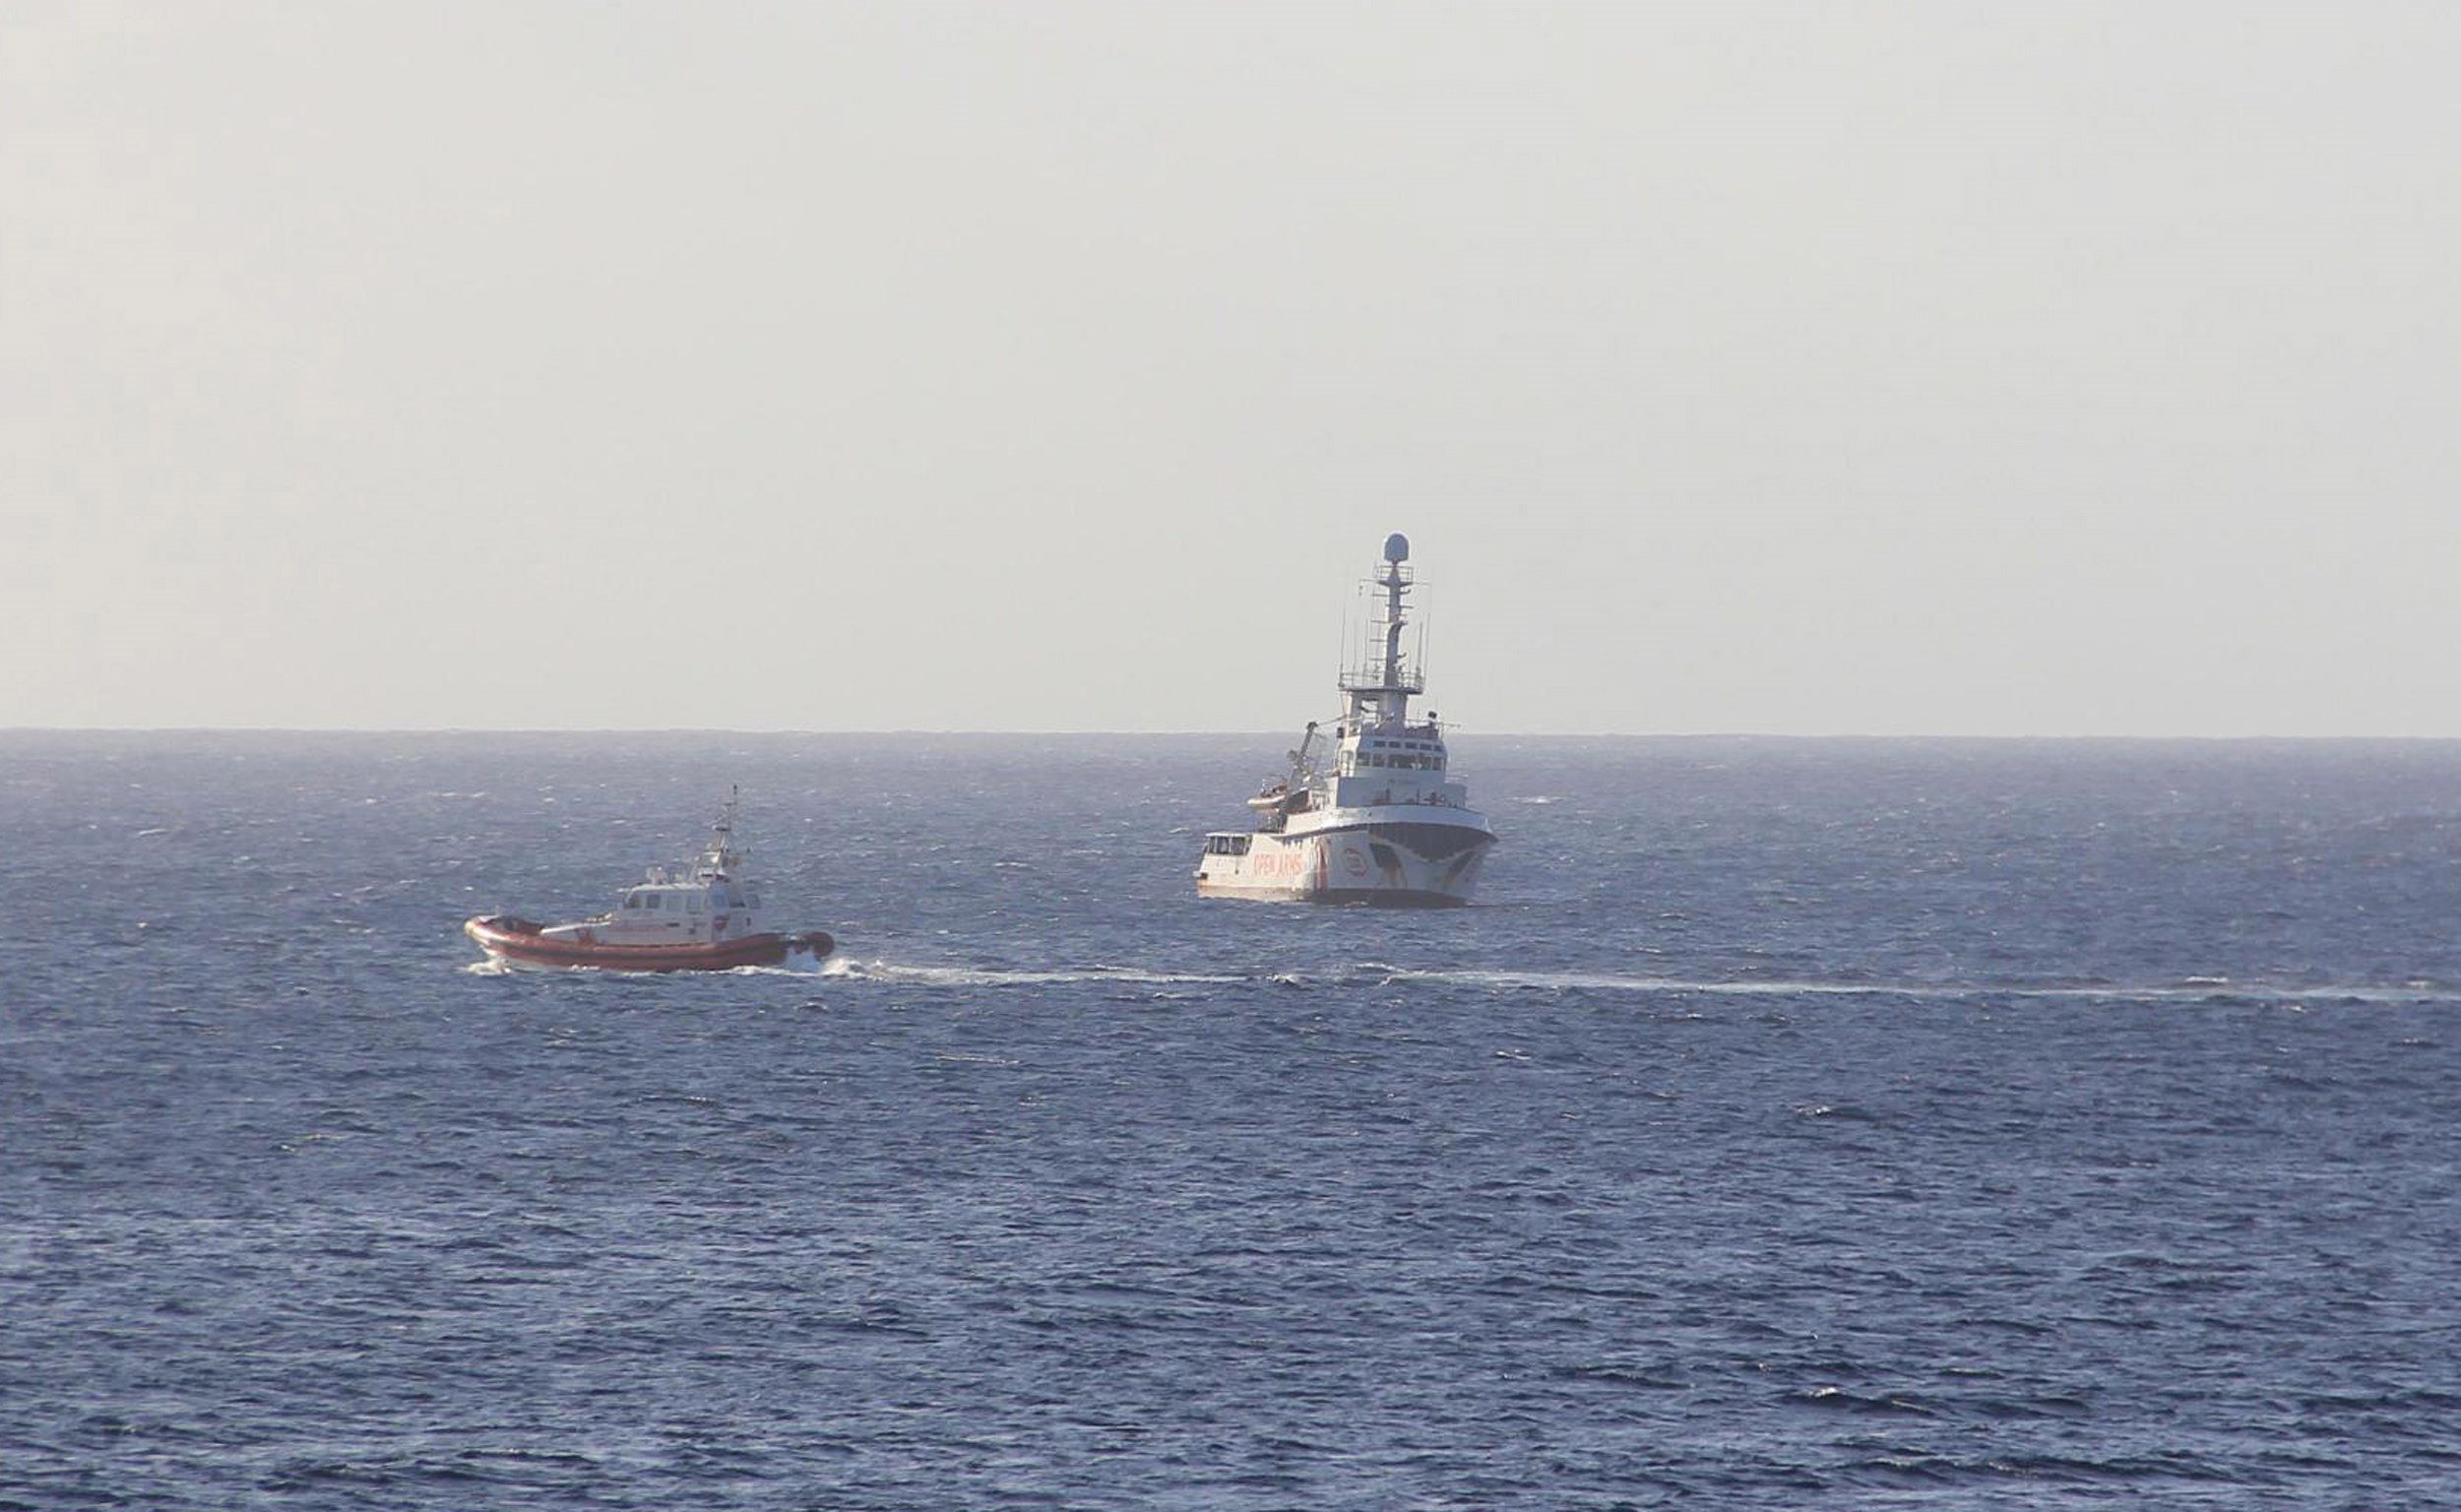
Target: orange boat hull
x: 520, y: 942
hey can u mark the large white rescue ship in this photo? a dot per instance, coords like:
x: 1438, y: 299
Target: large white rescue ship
x: 1384, y: 823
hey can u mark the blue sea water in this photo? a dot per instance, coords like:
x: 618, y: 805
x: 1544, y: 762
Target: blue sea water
x: 1827, y: 1124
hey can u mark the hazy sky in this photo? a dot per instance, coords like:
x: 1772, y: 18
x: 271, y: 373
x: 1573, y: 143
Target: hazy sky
x: 1822, y: 367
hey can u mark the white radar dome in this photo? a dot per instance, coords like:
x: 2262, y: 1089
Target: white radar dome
x: 1397, y: 548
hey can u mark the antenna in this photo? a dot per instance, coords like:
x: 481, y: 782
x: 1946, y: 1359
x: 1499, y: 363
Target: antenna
x: 1342, y: 646
x: 1420, y: 655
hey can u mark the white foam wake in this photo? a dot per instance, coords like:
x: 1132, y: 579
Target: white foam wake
x: 999, y: 976
x: 2188, y: 989
x: 1372, y: 973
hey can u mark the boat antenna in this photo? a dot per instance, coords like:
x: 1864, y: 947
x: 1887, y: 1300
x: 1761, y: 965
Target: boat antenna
x: 722, y: 855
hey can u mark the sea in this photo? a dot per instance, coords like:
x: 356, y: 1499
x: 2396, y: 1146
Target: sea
x: 1789, y: 1124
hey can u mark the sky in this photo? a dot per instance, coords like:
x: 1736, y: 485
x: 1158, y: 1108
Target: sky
x: 1889, y: 368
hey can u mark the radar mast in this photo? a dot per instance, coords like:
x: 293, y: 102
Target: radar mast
x: 1379, y: 688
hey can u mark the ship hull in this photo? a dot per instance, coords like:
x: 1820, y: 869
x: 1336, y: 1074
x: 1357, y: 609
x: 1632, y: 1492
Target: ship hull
x: 1360, y: 863
x: 520, y: 942
x: 1339, y: 897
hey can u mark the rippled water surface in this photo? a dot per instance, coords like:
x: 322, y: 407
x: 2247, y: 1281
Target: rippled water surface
x: 1830, y: 1124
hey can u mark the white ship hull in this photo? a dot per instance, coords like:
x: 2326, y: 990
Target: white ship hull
x: 1385, y: 857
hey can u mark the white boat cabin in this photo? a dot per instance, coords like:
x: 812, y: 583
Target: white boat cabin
x: 708, y: 905
x: 1396, y: 764
x: 658, y: 911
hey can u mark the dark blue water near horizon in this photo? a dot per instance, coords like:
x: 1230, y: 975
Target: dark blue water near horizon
x: 1792, y: 1123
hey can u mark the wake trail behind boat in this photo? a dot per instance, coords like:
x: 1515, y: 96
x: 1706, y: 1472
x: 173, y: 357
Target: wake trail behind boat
x: 1380, y: 974
x: 1003, y: 976
x: 2189, y: 989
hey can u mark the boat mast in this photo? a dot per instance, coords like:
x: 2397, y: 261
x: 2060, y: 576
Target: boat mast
x: 1379, y: 691
x: 723, y: 855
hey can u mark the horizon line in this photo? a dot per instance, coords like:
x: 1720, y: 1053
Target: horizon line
x: 1091, y: 733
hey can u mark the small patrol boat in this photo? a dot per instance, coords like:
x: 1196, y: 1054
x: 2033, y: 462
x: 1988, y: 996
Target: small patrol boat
x: 1385, y: 822
x: 707, y: 920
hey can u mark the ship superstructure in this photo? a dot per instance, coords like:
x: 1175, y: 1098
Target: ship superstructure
x: 1372, y: 816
